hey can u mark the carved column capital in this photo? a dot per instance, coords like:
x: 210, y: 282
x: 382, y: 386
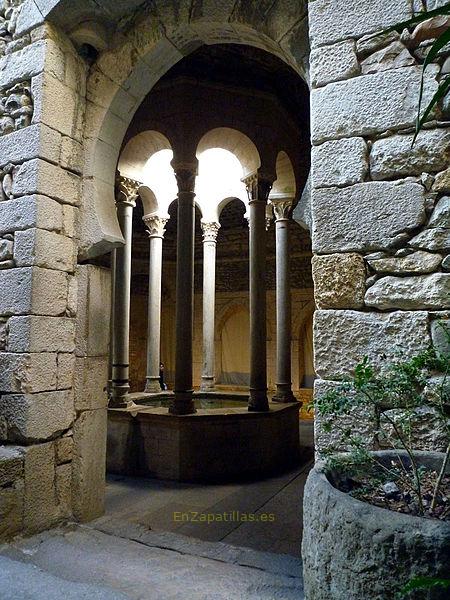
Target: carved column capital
x: 185, y: 174
x: 210, y: 231
x: 155, y: 225
x: 258, y: 186
x: 126, y: 190
x: 282, y: 208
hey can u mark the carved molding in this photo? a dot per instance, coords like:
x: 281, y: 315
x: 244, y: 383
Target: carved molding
x: 6, y: 181
x: 258, y: 186
x: 185, y: 174
x: 16, y: 107
x: 210, y: 231
x: 156, y: 225
x: 282, y: 209
x: 9, y: 13
x: 127, y: 189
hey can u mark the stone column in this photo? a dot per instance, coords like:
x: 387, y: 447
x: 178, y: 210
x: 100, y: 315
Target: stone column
x: 182, y: 402
x: 156, y: 229
x: 210, y: 231
x: 127, y: 192
x: 258, y: 189
x: 111, y: 320
x: 282, y: 210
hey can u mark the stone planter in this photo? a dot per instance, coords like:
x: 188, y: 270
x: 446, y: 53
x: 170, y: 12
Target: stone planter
x: 355, y: 551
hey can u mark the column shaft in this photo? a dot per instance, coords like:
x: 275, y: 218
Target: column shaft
x: 283, y: 305
x: 182, y: 402
x: 156, y: 230
x: 210, y: 231
x: 121, y: 321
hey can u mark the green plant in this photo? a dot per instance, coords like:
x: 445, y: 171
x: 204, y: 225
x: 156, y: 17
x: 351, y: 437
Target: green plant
x: 423, y: 583
x: 402, y: 385
x: 441, y: 41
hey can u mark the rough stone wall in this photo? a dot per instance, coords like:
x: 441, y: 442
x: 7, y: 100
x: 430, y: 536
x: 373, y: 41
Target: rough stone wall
x: 381, y: 213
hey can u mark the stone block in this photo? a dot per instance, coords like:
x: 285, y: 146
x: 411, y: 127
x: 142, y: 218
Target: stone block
x: 441, y: 214
x: 58, y: 106
x: 94, y: 298
x: 410, y: 293
x: 360, y: 421
x: 6, y: 249
x: 340, y: 162
x: 64, y: 450
x: 369, y: 44
x: 391, y: 57
x: 426, y: 429
x: 33, y: 290
x: 442, y: 182
x: 417, y: 262
x: 333, y: 63
x: 91, y: 378
x: 70, y: 218
x: 11, y: 510
x: 63, y: 484
x: 29, y: 17
x: 40, y: 177
x: 66, y: 368
x: 27, y: 373
x: 89, y: 460
x: 393, y: 157
x: 366, y: 216
x: 40, y: 504
x: 41, y: 248
x: 37, y: 417
x: 30, y: 211
x: 30, y: 61
x: 41, y: 334
x: 35, y: 141
x: 339, y: 280
x: 334, y: 20
x: 342, y: 338
x: 352, y: 108
x: 71, y: 156
x: 435, y: 239
x: 11, y: 464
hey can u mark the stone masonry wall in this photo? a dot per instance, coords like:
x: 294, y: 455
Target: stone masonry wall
x: 44, y: 416
x: 381, y: 209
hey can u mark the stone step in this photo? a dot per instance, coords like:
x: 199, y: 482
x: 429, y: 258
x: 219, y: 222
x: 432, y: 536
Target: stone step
x: 118, y: 560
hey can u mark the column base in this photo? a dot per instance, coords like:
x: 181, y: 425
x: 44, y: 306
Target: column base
x: 182, y: 403
x: 284, y: 394
x: 119, y: 396
x: 258, y: 401
x: 152, y: 385
x: 208, y: 384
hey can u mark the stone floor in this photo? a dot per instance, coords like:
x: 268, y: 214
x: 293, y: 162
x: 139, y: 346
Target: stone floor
x: 137, y: 550
x: 158, y: 506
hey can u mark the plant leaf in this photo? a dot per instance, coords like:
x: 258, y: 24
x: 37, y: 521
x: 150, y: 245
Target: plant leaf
x: 440, y: 93
x: 421, y: 583
x: 423, y: 16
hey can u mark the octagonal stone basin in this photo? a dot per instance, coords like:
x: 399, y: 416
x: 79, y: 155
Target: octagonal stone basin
x: 224, y: 443
x: 352, y: 550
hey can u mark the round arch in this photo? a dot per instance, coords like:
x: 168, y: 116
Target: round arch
x: 139, y: 150
x: 236, y: 143
x: 285, y: 184
x: 122, y: 77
